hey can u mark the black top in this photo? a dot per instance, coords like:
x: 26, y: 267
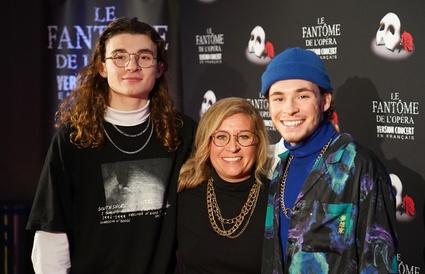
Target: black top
x: 118, y: 210
x: 201, y: 249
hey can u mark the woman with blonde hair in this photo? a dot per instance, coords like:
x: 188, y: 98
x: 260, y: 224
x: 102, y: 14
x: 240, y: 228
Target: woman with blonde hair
x: 222, y: 192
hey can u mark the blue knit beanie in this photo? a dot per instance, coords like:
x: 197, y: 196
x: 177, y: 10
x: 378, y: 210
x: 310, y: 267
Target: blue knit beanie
x: 296, y: 63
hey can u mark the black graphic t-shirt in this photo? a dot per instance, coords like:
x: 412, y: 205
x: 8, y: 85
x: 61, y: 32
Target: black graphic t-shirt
x: 118, y: 209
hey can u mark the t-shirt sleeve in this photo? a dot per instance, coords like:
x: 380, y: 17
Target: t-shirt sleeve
x: 52, y: 202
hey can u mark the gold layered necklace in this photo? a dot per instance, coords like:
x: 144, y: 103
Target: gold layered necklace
x: 214, y: 212
x: 286, y: 210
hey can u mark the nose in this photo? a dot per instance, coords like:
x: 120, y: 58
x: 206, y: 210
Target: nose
x: 233, y: 145
x: 133, y: 63
x: 290, y: 107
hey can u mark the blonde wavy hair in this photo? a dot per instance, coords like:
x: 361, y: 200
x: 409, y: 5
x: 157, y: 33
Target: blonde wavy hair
x: 84, y: 109
x: 198, y: 167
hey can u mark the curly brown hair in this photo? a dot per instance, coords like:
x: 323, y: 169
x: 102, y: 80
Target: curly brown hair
x: 84, y: 109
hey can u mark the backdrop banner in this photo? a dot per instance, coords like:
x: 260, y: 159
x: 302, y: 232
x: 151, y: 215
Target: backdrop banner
x: 373, y: 54
x: 220, y: 48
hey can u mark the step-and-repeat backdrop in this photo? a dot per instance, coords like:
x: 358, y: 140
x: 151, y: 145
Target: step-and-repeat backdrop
x: 374, y: 53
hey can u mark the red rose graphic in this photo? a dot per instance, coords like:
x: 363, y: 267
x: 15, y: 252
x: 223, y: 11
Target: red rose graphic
x: 409, y: 205
x: 270, y: 50
x: 407, y: 41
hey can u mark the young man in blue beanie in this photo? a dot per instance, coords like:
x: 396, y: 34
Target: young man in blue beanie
x: 331, y: 204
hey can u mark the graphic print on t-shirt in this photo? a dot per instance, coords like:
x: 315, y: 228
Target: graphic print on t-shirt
x: 134, y: 186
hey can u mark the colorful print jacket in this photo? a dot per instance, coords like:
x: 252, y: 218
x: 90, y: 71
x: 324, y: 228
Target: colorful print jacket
x: 343, y: 220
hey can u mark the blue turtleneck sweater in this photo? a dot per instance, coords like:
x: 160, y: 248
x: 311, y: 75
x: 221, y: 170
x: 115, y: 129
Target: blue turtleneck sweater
x: 305, y: 155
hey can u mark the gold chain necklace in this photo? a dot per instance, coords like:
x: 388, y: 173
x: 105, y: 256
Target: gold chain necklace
x: 215, y: 212
x: 286, y: 210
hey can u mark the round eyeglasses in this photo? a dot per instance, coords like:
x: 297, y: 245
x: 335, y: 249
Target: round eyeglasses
x: 122, y: 59
x: 244, y: 138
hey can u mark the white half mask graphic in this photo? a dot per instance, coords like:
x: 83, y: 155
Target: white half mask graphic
x: 389, y: 31
x: 257, y: 41
x: 209, y: 100
x: 397, y: 185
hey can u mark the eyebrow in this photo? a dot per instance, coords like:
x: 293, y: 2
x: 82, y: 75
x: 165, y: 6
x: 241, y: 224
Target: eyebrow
x: 302, y: 89
x: 140, y: 51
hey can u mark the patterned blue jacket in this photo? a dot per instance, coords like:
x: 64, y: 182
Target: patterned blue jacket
x: 343, y: 220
